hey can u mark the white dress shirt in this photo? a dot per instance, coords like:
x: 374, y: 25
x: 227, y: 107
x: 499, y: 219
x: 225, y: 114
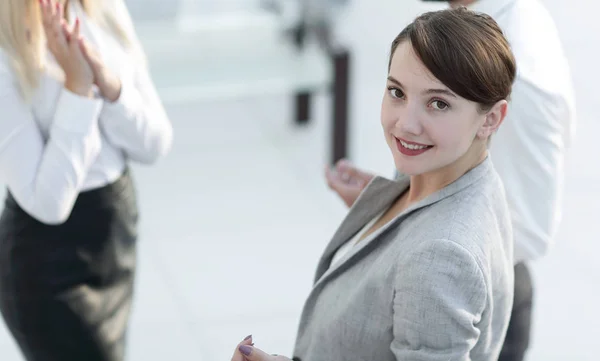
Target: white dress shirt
x: 529, y: 149
x: 60, y: 143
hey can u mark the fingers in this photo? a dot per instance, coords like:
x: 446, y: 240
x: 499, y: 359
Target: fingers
x: 346, y: 174
x: 44, y: 10
x: 47, y: 13
x: 52, y: 19
x: 346, y: 187
x: 345, y: 165
x: 346, y: 170
x: 252, y: 353
x: 55, y: 18
x: 88, y: 52
x: 83, y: 44
x: 237, y: 354
x: 66, y: 31
x: 57, y: 12
x: 75, y: 34
x: 342, y: 170
x: 349, y: 173
x: 92, y: 57
x: 76, y: 42
x: 336, y: 182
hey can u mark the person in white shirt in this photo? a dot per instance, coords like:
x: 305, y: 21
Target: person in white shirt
x: 528, y: 151
x: 77, y: 106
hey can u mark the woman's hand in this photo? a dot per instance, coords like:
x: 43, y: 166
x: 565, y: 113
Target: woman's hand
x: 65, y: 46
x: 347, y: 180
x: 108, y: 83
x: 245, y: 351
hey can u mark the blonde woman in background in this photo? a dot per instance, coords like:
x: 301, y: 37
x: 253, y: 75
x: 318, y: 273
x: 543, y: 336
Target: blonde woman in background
x: 77, y: 105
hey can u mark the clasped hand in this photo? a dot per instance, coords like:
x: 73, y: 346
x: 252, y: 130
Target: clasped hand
x: 81, y: 63
x: 246, y: 351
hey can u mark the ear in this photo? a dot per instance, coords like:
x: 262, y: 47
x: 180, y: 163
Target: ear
x: 493, y: 119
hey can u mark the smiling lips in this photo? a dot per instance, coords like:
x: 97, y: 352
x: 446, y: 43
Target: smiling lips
x: 411, y: 148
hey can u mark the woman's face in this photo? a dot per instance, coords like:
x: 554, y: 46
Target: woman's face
x: 426, y: 125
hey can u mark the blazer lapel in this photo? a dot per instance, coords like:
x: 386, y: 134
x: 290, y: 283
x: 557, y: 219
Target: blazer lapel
x: 377, y: 196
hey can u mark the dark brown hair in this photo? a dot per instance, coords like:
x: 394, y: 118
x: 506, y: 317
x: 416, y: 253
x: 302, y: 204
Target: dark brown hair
x: 466, y: 51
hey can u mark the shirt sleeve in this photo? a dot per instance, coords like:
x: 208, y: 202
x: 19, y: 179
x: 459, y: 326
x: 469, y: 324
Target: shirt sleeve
x: 137, y: 122
x: 537, y: 130
x: 440, y: 296
x: 45, y: 175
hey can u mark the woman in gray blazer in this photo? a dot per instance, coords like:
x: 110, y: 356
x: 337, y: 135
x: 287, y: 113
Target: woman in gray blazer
x: 421, y: 268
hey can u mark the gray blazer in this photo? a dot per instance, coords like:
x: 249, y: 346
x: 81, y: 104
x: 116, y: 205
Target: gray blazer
x: 435, y: 284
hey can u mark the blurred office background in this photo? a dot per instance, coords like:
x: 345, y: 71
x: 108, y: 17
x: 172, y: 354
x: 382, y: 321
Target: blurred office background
x: 235, y: 218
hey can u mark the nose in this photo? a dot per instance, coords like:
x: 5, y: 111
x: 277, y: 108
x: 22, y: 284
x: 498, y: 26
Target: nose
x: 409, y: 119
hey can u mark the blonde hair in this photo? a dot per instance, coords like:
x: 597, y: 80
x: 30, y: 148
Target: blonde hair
x: 22, y: 35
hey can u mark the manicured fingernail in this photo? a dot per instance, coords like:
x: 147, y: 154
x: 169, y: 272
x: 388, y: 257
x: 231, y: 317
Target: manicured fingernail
x: 246, y: 350
x: 248, y: 337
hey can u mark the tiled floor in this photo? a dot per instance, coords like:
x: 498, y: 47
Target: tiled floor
x: 234, y: 219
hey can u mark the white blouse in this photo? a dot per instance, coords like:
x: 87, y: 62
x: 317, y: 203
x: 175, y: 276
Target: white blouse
x: 349, y: 245
x: 61, y: 144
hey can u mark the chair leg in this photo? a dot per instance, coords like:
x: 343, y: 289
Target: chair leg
x: 341, y: 87
x: 302, y: 107
x: 302, y: 99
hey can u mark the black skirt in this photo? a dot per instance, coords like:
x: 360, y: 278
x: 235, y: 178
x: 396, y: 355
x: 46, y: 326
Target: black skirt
x: 66, y: 290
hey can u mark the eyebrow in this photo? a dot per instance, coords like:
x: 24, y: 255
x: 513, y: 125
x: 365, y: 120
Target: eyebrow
x: 428, y: 91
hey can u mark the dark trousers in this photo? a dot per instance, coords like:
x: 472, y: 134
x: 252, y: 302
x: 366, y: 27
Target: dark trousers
x: 519, y: 329
x: 66, y: 290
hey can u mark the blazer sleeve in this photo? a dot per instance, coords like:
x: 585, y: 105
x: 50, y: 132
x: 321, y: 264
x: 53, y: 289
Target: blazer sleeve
x: 137, y: 122
x: 440, y: 295
x: 45, y: 175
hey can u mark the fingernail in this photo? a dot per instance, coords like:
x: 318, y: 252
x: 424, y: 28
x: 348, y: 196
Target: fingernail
x: 246, y: 350
x: 248, y: 337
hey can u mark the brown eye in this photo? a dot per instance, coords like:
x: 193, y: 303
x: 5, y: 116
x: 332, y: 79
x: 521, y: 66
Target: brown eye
x: 396, y: 93
x: 439, y: 105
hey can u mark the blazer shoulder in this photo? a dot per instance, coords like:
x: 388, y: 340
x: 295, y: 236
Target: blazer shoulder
x: 475, y: 218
